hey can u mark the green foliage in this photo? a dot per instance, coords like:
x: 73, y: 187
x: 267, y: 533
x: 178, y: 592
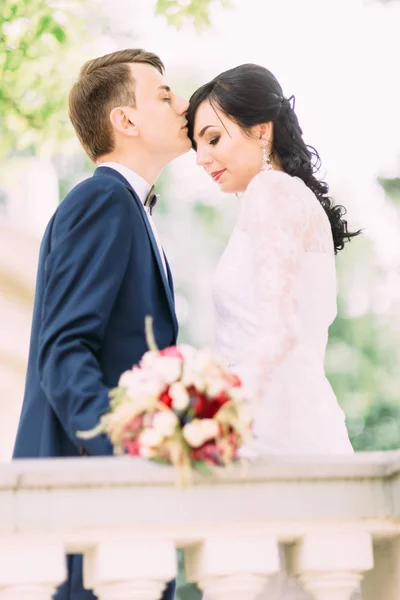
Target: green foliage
x: 197, y: 12
x: 364, y: 349
x: 35, y: 39
x: 391, y: 187
x: 41, y: 47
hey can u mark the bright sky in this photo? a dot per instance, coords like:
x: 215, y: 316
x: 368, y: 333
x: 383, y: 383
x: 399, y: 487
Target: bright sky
x: 339, y: 57
x: 341, y: 60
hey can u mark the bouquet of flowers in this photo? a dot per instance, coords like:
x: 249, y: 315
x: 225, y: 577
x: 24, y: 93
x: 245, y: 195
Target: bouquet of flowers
x: 179, y: 406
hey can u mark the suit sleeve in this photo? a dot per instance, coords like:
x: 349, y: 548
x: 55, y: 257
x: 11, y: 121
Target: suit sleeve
x: 84, y: 272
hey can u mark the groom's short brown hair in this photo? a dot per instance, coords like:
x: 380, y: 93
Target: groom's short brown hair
x: 104, y: 83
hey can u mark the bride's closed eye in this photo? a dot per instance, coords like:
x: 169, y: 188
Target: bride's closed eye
x: 214, y: 141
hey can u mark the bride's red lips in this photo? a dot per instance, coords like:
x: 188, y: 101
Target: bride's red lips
x: 217, y: 174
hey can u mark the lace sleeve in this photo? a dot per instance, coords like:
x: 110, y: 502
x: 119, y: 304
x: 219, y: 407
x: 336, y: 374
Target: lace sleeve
x: 275, y: 218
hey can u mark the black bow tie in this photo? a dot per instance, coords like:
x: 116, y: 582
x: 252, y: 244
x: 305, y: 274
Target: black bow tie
x: 151, y: 200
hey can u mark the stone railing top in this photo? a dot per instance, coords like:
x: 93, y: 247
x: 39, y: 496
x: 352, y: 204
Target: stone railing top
x: 106, y: 471
x: 84, y: 495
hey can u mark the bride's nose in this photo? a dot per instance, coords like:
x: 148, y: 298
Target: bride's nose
x: 203, y: 157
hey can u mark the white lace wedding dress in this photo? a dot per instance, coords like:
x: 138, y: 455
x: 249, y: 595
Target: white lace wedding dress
x: 275, y: 298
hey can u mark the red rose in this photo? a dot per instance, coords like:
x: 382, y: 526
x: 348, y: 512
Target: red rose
x: 171, y: 351
x: 211, y: 409
x: 199, y: 404
x: 223, y: 398
x: 166, y: 399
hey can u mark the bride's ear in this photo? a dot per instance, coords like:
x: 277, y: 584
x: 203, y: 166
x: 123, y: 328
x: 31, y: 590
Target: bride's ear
x: 265, y: 131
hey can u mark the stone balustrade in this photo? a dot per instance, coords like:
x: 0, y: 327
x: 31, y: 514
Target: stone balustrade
x: 333, y: 522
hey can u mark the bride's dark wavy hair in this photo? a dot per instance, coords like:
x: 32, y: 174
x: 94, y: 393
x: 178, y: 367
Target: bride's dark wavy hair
x: 250, y: 95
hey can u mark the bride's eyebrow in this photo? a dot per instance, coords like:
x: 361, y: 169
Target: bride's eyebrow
x: 202, y: 132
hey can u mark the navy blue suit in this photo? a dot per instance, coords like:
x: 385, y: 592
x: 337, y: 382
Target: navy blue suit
x: 99, y: 275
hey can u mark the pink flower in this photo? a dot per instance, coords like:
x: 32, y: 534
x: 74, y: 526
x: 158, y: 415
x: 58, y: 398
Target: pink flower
x: 132, y: 447
x: 172, y: 352
x: 234, y: 380
x: 133, y: 425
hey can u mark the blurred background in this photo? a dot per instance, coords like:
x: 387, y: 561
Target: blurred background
x: 339, y: 58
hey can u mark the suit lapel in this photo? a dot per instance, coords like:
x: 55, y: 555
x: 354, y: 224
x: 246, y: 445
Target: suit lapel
x: 170, y: 280
x: 168, y: 286
x: 157, y: 256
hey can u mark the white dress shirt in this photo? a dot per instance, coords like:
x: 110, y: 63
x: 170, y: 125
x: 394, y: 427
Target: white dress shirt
x: 142, y: 189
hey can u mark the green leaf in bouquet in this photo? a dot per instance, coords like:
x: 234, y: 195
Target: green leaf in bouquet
x: 117, y: 395
x: 149, y: 331
x: 203, y: 468
x: 161, y: 461
x: 87, y: 435
x: 190, y: 413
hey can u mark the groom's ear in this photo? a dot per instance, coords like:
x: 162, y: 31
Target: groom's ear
x: 123, y: 120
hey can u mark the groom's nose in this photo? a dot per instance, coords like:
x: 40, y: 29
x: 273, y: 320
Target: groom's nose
x: 182, y: 105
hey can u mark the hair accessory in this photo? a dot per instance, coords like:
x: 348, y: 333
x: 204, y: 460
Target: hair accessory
x: 292, y: 101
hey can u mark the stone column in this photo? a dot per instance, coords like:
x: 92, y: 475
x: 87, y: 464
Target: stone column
x: 232, y: 568
x: 129, y: 570
x: 31, y: 567
x: 331, y: 564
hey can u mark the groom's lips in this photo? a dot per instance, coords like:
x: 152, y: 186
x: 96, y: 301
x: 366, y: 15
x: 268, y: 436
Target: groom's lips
x: 217, y: 174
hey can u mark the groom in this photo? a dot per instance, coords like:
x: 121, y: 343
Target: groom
x: 101, y: 266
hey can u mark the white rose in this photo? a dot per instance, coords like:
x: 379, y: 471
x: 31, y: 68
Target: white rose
x: 151, y: 388
x: 147, y: 452
x: 210, y: 428
x: 165, y: 423
x: 199, y: 431
x: 168, y: 368
x: 193, y: 434
x: 215, y: 386
x: 179, y: 395
x: 150, y: 437
x: 130, y: 380
x: 140, y: 389
x: 190, y: 377
x: 148, y: 359
x: 237, y: 394
x: 187, y: 351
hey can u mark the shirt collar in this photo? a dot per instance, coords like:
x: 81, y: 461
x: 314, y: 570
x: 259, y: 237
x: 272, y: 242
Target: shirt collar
x: 140, y: 186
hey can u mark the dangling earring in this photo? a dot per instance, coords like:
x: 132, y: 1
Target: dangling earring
x: 266, y: 161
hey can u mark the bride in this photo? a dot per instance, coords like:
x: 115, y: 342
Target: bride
x: 275, y: 284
